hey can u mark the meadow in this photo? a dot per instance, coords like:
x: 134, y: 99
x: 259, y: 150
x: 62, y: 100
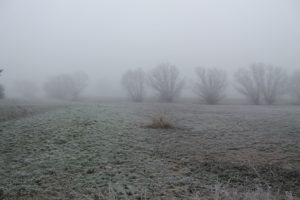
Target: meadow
x: 106, y: 151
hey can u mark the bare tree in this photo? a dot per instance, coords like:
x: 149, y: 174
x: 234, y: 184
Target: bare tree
x: 1, y: 87
x: 66, y: 86
x: 249, y: 82
x: 165, y: 80
x: 260, y: 80
x: 26, y: 89
x: 274, y: 83
x: 134, y: 82
x: 211, y: 85
x: 79, y: 82
x: 294, y: 86
x: 57, y: 86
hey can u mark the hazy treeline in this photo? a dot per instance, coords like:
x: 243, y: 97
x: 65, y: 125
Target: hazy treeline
x: 62, y: 86
x: 66, y: 86
x: 258, y: 83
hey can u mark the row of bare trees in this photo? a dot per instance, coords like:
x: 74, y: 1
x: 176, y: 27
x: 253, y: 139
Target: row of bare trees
x: 63, y: 86
x: 261, y: 81
x: 164, y: 80
x: 258, y: 83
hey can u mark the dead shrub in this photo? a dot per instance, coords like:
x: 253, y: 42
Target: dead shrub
x: 160, y: 121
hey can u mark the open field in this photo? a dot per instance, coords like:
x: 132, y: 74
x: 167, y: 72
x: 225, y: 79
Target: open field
x: 14, y: 109
x: 102, y: 150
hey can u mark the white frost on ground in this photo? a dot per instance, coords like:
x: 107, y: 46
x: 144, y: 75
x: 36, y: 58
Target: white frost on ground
x: 77, y: 151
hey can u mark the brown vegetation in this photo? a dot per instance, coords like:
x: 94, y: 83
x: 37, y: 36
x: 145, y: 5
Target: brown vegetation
x: 160, y: 122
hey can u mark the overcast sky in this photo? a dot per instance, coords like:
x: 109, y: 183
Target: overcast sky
x: 41, y: 38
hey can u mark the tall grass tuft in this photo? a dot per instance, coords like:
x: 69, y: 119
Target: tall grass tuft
x: 160, y: 121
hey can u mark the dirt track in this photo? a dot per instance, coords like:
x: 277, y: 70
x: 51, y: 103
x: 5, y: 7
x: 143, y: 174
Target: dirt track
x: 83, y: 151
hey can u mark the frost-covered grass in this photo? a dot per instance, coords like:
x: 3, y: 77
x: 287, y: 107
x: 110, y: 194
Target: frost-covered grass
x: 102, y: 151
x: 14, y: 109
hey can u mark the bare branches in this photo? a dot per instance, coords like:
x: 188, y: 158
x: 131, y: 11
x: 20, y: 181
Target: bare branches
x: 294, y: 85
x: 134, y: 82
x: 249, y: 83
x: 165, y: 80
x: 66, y: 86
x: 274, y: 83
x: 211, y: 85
x: 261, y: 80
x: 1, y: 88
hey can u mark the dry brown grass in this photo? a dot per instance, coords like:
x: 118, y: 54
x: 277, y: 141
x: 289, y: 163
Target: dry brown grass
x: 160, y: 121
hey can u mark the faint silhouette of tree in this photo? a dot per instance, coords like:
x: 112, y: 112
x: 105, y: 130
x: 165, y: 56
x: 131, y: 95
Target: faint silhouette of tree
x: 261, y: 81
x: 249, y: 83
x: 274, y: 83
x: 134, y: 82
x: 66, y: 86
x: 210, y: 85
x: 294, y: 86
x: 26, y: 88
x: 165, y: 80
x: 2, y: 94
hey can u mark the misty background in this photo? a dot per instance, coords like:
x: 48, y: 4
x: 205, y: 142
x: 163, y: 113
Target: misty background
x: 40, y: 38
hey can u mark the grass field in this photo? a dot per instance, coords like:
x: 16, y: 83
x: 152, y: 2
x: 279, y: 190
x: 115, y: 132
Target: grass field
x: 104, y: 151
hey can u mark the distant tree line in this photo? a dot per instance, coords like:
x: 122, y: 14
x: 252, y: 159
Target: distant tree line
x: 66, y: 86
x: 26, y: 89
x: 259, y: 83
x: 63, y: 87
x: 163, y: 79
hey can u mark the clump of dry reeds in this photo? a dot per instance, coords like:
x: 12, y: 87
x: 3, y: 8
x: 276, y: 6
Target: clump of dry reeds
x: 160, y: 121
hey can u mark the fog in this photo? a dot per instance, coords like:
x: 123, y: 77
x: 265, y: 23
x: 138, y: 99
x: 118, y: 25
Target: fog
x: 39, y: 38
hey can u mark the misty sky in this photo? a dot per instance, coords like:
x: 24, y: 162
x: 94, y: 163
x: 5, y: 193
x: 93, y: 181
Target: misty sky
x: 41, y: 38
